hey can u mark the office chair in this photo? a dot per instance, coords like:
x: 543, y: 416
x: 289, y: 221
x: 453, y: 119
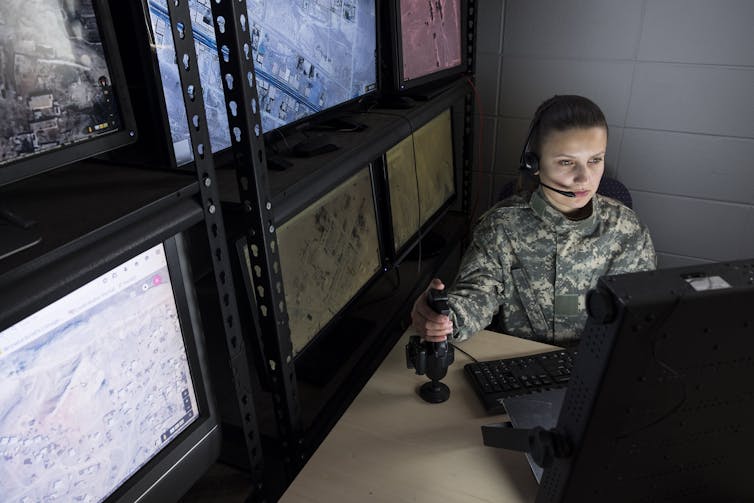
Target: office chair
x: 609, y: 187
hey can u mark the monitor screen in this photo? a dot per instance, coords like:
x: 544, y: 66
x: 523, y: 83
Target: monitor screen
x: 404, y: 191
x: 328, y: 252
x: 430, y: 39
x: 62, y: 95
x: 661, y: 390
x: 421, y: 178
x: 308, y: 57
x: 97, y: 383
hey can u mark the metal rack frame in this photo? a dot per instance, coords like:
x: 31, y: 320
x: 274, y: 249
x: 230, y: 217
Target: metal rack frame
x: 232, y: 33
x: 180, y: 23
x: 468, y: 132
x: 269, y: 316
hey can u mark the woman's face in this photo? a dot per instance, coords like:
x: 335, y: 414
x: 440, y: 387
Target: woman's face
x: 572, y: 160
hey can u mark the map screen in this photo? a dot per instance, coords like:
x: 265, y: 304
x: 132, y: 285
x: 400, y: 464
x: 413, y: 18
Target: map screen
x: 404, y: 191
x: 430, y: 36
x: 434, y: 164
x: 93, y: 386
x: 55, y: 85
x: 328, y: 252
x: 308, y: 56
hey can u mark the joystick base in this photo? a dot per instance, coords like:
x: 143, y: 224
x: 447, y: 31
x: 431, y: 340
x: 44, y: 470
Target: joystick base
x: 434, y: 392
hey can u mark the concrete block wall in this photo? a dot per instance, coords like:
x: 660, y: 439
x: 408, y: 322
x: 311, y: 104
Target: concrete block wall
x: 675, y: 79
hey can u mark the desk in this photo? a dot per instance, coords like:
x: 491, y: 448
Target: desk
x: 391, y: 446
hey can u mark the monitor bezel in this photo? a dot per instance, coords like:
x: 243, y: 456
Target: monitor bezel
x: 401, y: 86
x: 126, y: 134
x: 224, y: 157
x: 624, y: 367
x: 398, y: 255
x: 177, y: 466
x: 241, y: 246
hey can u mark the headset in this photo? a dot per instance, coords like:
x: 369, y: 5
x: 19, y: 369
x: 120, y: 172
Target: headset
x: 529, y: 161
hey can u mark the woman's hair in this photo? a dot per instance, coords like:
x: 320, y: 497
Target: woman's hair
x: 559, y: 113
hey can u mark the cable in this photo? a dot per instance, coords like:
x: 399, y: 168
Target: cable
x: 282, y: 136
x: 416, y: 179
x: 395, y: 287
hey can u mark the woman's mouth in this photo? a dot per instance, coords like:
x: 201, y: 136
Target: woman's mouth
x: 581, y: 193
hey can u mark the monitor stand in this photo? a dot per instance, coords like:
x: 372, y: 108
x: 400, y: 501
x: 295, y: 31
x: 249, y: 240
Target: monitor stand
x: 395, y: 102
x: 338, y: 124
x: 16, y: 234
x: 542, y: 444
x: 278, y: 163
x: 313, y: 146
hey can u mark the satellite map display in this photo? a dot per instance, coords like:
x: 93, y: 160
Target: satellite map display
x: 55, y: 86
x: 404, y: 195
x: 434, y: 164
x: 327, y: 253
x: 93, y: 386
x: 309, y: 55
x: 430, y: 36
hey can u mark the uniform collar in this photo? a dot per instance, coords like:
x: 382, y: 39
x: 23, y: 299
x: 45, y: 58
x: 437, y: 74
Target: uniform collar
x: 551, y: 215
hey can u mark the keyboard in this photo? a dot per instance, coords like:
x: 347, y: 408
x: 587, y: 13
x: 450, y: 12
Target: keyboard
x: 494, y: 380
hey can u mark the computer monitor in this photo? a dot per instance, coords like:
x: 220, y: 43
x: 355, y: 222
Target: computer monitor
x: 428, y: 41
x: 63, y: 95
x: 659, y: 405
x: 328, y: 252
x: 421, y: 181
x: 309, y: 57
x: 104, y: 394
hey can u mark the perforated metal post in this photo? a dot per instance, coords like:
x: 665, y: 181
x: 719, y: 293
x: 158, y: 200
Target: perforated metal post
x: 180, y: 22
x: 232, y: 31
x: 468, y: 120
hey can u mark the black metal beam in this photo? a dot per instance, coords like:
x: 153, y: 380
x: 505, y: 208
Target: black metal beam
x: 180, y: 23
x: 232, y: 32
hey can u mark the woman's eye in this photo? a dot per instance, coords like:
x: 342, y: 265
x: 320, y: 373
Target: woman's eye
x: 596, y: 160
x: 565, y: 162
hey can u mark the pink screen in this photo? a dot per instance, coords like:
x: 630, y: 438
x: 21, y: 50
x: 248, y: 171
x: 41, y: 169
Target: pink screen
x: 431, y: 36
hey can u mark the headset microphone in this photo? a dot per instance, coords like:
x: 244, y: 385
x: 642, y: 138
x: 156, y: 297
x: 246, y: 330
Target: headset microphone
x: 564, y: 192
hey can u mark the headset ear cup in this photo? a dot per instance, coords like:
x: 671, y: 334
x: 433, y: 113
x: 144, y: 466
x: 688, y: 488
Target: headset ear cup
x: 531, y: 163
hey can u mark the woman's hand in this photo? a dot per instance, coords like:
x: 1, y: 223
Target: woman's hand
x: 431, y: 326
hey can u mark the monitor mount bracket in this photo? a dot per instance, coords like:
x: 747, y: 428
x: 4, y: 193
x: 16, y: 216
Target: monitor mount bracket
x: 543, y: 445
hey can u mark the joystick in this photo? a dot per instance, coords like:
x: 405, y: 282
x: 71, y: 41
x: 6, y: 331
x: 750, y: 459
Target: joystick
x: 432, y: 358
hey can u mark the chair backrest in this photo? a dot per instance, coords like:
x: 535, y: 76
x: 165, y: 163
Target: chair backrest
x: 612, y: 187
x: 609, y: 187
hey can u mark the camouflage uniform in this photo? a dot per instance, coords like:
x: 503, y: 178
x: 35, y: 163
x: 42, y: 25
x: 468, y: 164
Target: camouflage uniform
x: 536, y: 265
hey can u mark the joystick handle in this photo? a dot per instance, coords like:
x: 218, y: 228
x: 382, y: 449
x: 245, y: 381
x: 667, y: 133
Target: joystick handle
x: 438, y: 301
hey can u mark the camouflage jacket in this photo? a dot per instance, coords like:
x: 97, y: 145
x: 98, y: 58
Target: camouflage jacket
x: 535, y: 265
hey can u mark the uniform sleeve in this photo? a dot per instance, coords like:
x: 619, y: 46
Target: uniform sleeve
x: 646, y: 259
x: 639, y: 252
x: 475, y: 295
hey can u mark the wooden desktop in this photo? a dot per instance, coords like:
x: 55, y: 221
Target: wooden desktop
x: 391, y: 446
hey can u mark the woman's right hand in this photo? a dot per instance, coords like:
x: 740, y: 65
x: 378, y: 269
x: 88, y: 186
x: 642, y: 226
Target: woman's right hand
x: 431, y: 326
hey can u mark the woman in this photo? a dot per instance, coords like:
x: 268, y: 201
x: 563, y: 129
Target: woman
x: 535, y: 255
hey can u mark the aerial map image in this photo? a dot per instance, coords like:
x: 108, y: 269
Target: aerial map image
x: 308, y: 56
x: 55, y: 86
x: 404, y: 191
x: 93, y: 386
x: 430, y: 35
x: 327, y: 253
